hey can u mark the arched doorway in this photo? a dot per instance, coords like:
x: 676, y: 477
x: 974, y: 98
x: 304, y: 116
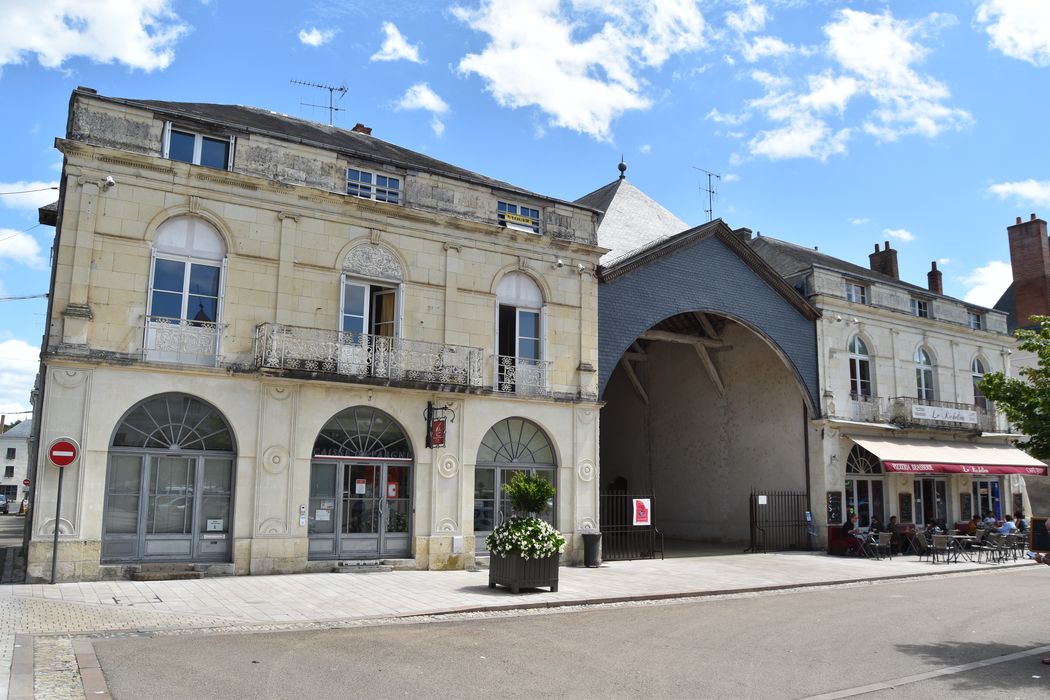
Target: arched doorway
x: 513, y: 445
x: 361, y: 487
x: 169, y: 484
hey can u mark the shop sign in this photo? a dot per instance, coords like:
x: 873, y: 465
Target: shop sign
x: 642, y: 512
x: 950, y: 415
x: 214, y: 525
x: 437, y: 432
x: 979, y: 469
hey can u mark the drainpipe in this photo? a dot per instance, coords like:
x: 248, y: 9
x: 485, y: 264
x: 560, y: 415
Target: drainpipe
x: 805, y: 443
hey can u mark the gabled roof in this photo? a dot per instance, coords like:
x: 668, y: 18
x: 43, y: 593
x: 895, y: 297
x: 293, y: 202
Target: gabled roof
x: 22, y: 430
x: 281, y: 126
x: 630, y: 219
x: 1008, y: 304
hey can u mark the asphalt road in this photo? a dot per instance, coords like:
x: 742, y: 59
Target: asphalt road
x: 779, y: 645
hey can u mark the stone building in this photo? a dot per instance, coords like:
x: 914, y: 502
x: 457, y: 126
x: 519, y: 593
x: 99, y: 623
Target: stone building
x: 904, y: 429
x: 14, y: 448
x: 283, y: 346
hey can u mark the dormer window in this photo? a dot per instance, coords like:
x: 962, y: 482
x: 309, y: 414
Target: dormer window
x: 518, y: 217
x: 920, y: 308
x: 366, y: 185
x: 195, y: 148
x: 975, y: 320
x: 857, y: 293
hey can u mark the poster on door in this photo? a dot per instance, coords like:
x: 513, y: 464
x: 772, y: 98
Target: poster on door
x: 642, y: 512
x: 391, y: 489
x: 359, y: 487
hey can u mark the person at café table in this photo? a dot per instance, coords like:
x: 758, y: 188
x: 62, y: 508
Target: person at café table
x: 1008, y: 525
x: 989, y: 519
x: 1020, y: 521
x: 874, y: 526
x: 896, y: 539
x: 975, y: 522
x: 851, y: 535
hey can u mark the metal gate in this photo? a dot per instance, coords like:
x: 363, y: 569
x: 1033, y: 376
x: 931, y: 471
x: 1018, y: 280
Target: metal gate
x: 778, y: 522
x: 621, y: 539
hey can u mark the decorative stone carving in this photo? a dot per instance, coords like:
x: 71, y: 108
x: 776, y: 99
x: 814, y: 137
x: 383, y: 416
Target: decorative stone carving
x: 585, y: 416
x: 370, y: 260
x: 587, y: 524
x: 448, y: 467
x: 278, y: 393
x: 585, y: 470
x: 275, y: 459
x: 65, y: 527
x: 69, y: 378
x: 273, y: 526
x: 447, y: 525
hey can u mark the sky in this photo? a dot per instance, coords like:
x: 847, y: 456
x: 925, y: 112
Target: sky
x: 831, y: 124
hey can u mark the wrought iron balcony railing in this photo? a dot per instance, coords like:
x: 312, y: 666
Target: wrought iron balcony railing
x: 181, y: 341
x: 522, y: 375
x: 363, y: 355
x: 922, y: 413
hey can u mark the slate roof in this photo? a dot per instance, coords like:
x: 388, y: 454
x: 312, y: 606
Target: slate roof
x: 281, y: 126
x: 1008, y: 304
x: 22, y: 430
x: 630, y: 219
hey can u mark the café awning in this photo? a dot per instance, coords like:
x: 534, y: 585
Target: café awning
x: 935, y: 457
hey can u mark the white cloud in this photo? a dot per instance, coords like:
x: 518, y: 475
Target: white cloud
x: 395, y: 47
x: 1018, y: 28
x: 945, y: 261
x: 731, y: 119
x: 764, y: 47
x: 581, y: 64
x: 731, y: 177
x: 137, y: 33
x: 987, y: 283
x: 859, y: 221
x: 316, y: 37
x: 751, y: 18
x: 645, y: 148
x: 899, y: 234
x: 36, y: 194
x: 420, y: 96
x: 19, y: 362
x: 22, y: 248
x: 1029, y: 191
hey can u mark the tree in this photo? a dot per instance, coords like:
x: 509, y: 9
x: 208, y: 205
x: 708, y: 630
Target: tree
x: 1026, y: 399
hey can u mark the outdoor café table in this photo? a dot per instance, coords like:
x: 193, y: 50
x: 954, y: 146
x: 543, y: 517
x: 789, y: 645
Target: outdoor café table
x: 961, y: 544
x: 907, y: 540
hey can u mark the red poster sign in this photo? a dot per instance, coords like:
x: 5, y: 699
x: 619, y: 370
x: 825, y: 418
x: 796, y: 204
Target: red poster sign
x: 391, y: 489
x: 63, y: 452
x: 642, y: 512
x: 437, y: 432
x: 935, y: 468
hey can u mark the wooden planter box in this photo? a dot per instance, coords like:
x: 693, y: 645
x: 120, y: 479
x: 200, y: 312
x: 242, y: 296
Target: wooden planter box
x: 518, y: 573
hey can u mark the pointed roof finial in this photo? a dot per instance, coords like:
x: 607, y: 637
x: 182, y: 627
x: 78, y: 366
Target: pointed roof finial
x: 622, y: 167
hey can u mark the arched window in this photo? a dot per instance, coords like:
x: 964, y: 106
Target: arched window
x: 186, y: 288
x: 924, y: 375
x: 977, y: 373
x: 520, y: 335
x: 864, y: 487
x: 513, y: 445
x: 859, y: 368
x: 169, y: 486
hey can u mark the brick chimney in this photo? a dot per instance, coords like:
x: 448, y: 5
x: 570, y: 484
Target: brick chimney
x: 933, y: 279
x: 885, y: 261
x: 742, y: 234
x: 1030, y: 260
x: 362, y: 129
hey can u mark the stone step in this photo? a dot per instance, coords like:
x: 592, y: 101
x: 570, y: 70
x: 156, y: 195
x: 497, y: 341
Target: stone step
x: 362, y: 567
x: 165, y: 572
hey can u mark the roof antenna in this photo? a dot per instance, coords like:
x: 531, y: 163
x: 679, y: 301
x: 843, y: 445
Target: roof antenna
x: 622, y: 167
x: 710, y: 192
x: 332, y: 89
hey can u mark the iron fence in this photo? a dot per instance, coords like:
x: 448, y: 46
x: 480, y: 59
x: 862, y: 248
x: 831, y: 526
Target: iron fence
x: 621, y: 538
x: 778, y: 522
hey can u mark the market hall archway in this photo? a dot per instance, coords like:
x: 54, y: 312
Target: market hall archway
x: 361, y: 487
x: 169, y: 483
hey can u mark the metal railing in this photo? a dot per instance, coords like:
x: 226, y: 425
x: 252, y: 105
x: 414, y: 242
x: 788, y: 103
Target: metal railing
x: 909, y: 411
x: 621, y: 538
x: 522, y: 375
x: 181, y: 341
x: 778, y: 522
x: 363, y: 355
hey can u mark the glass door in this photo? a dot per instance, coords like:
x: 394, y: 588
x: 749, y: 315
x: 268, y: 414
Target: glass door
x: 931, y: 502
x: 169, y: 506
x: 396, y: 511
x: 987, y: 497
x: 491, y: 503
x: 213, y: 521
x: 360, y: 510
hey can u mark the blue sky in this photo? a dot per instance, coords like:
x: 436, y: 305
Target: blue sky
x: 832, y: 124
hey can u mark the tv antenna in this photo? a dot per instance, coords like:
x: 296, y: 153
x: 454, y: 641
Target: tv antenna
x: 332, y: 89
x: 710, y: 191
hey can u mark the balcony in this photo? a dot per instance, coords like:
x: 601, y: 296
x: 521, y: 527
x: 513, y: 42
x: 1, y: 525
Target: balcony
x: 364, y: 356
x: 522, y: 375
x: 907, y: 411
x: 180, y: 341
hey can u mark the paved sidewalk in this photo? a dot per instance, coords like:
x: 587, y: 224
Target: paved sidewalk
x: 49, y: 617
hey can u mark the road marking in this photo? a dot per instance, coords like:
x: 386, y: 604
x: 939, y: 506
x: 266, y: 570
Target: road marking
x: 918, y: 677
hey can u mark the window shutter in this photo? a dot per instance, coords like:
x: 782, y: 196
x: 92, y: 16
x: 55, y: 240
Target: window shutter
x: 166, y: 146
x: 219, y: 312
x: 342, y: 296
x: 149, y: 291
x: 543, y: 348
x: 400, y: 310
x: 229, y: 160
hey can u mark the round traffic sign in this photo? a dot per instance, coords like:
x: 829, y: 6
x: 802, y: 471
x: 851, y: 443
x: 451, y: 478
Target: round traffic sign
x: 63, y: 451
x: 25, y: 482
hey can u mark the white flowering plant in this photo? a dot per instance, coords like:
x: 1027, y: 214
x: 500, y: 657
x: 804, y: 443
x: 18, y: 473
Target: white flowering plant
x: 525, y: 534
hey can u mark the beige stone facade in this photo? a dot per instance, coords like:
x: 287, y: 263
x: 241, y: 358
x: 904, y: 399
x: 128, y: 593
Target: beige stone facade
x: 289, y: 240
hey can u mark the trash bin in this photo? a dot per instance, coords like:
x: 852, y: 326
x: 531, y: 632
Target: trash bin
x: 592, y: 544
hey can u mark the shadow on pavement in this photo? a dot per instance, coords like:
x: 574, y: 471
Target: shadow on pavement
x: 970, y: 682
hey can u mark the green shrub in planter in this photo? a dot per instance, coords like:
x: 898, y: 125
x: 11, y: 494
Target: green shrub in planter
x: 525, y: 534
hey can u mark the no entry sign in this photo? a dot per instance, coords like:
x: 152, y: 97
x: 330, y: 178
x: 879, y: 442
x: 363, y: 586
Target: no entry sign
x: 25, y: 482
x: 63, y: 451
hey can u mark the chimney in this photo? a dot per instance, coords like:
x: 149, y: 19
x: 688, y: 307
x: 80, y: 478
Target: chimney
x: 362, y: 129
x: 1030, y: 260
x: 933, y: 279
x: 742, y: 234
x: 885, y: 261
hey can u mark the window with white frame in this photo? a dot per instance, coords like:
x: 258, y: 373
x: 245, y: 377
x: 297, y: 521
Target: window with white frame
x: 519, y: 334
x: 864, y: 486
x: 975, y: 320
x: 196, y: 148
x: 924, y: 375
x: 920, y: 308
x: 859, y: 368
x: 369, y: 185
x: 856, y: 293
x: 977, y: 372
x: 517, y: 217
x: 369, y: 307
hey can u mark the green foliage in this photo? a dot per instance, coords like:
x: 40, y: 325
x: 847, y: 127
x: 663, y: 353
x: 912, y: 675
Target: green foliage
x: 532, y: 538
x: 529, y: 494
x: 1026, y: 399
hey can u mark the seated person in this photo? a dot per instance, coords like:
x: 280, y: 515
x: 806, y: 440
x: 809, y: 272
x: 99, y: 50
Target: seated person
x: 1020, y: 521
x: 975, y: 522
x: 1008, y: 525
x: 989, y: 519
x: 851, y: 535
x: 874, y: 526
x: 896, y: 538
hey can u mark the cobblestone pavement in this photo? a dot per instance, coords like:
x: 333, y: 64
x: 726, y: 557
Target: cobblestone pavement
x: 41, y: 625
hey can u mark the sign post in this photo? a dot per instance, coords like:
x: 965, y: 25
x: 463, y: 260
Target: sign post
x: 61, y: 452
